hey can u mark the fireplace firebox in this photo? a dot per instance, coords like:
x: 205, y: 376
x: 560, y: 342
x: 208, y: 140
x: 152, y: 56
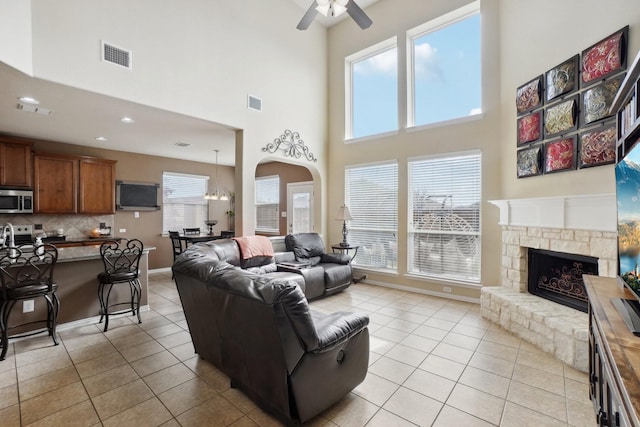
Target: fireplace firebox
x: 557, y: 276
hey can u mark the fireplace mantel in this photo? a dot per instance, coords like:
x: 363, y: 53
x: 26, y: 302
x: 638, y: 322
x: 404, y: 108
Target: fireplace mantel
x: 596, y: 212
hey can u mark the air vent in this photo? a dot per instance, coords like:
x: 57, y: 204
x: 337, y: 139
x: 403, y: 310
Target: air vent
x: 116, y: 56
x: 254, y: 103
x: 182, y: 144
x: 35, y: 109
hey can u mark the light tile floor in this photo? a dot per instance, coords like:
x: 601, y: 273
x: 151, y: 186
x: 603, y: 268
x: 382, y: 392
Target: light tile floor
x: 434, y: 362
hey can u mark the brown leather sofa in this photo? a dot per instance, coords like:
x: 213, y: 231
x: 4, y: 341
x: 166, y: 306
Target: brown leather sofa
x: 291, y: 361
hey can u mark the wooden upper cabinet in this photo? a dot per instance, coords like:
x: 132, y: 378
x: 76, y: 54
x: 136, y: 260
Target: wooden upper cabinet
x: 55, y: 183
x: 15, y: 163
x: 97, y: 186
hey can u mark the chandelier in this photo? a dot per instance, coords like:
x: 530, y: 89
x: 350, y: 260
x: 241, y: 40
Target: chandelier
x: 216, y: 195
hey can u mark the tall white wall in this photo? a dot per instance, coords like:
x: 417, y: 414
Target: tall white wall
x: 541, y: 35
x: 200, y: 58
x: 15, y: 34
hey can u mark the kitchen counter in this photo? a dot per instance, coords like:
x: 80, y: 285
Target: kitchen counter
x: 77, y: 276
x: 80, y: 253
x: 78, y: 241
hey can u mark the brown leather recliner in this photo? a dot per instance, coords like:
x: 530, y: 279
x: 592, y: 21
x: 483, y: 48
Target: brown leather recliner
x: 291, y: 361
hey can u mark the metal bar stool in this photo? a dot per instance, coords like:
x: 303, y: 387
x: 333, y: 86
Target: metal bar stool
x: 121, y: 265
x: 26, y: 272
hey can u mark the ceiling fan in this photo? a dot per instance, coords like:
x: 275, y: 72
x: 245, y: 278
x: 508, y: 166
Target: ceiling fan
x: 335, y: 8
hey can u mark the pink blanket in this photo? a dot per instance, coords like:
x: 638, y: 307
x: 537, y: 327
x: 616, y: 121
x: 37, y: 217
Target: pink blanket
x: 252, y: 246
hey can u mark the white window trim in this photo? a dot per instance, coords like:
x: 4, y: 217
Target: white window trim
x: 187, y: 175
x: 417, y: 32
x: 348, y: 73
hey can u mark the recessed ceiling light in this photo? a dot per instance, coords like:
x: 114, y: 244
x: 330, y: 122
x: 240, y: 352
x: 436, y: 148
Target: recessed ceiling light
x: 127, y: 120
x: 29, y: 100
x: 101, y: 138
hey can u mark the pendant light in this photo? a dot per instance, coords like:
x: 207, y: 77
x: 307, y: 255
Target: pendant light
x: 216, y: 195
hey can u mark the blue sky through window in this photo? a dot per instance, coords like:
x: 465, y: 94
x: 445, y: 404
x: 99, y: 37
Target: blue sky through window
x: 447, y: 72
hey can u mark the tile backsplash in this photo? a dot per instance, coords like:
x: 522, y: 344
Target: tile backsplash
x: 75, y: 226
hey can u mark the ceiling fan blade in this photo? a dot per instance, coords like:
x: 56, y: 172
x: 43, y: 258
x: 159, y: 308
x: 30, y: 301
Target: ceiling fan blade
x: 307, y: 19
x: 358, y: 15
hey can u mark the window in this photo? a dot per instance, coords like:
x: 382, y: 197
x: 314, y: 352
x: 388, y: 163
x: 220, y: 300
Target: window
x: 268, y: 204
x: 445, y: 67
x: 183, y: 203
x: 372, y: 90
x: 371, y: 193
x: 444, y: 227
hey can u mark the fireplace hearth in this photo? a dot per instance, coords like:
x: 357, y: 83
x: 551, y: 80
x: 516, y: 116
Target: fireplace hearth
x: 557, y: 276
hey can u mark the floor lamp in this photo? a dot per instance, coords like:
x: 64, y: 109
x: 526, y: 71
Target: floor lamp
x: 344, y: 215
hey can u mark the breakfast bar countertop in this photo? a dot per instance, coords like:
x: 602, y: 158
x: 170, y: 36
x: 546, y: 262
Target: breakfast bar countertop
x: 81, y: 253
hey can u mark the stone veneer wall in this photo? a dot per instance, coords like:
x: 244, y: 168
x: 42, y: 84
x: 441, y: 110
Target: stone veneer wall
x: 556, y: 329
x: 75, y: 226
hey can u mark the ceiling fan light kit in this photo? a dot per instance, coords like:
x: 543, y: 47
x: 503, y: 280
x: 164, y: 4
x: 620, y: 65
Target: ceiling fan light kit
x: 333, y: 8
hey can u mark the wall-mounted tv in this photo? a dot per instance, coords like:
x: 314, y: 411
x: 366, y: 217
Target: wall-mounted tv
x: 137, y: 196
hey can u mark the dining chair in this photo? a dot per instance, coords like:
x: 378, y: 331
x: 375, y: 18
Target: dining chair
x: 121, y: 261
x: 26, y: 272
x: 193, y: 230
x: 176, y: 244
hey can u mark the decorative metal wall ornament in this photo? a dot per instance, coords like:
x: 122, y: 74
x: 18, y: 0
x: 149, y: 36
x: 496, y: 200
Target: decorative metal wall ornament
x: 291, y: 144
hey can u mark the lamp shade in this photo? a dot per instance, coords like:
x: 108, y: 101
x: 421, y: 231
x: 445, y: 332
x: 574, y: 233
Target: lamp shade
x: 344, y: 214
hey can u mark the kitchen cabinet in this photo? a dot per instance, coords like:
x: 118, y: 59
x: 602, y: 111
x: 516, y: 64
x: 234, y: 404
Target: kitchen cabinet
x: 72, y: 184
x: 55, y: 184
x: 15, y: 162
x: 97, y: 186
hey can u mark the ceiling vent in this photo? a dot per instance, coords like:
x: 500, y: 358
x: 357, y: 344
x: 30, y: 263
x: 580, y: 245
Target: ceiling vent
x: 35, y: 109
x: 254, y: 103
x: 115, y: 55
x: 182, y: 144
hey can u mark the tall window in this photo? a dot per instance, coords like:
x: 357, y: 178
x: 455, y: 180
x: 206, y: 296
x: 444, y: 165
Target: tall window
x: 267, y: 204
x: 372, y: 85
x: 183, y: 203
x: 371, y: 193
x: 445, y: 67
x: 444, y: 227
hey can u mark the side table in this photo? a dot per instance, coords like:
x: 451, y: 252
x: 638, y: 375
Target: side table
x: 340, y: 249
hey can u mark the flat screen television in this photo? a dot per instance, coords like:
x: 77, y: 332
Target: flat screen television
x: 137, y: 196
x: 627, y: 172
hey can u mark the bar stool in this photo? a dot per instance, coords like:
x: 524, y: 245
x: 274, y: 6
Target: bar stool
x: 26, y: 272
x: 121, y: 266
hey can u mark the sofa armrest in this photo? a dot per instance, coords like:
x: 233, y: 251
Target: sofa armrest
x: 336, y: 328
x: 336, y: 259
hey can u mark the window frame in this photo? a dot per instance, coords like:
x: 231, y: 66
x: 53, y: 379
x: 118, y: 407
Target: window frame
x: 204, y: 178
x: 434, y: 25
x: 411, y: 230
x: 349, y: 61
x: 257, y: 205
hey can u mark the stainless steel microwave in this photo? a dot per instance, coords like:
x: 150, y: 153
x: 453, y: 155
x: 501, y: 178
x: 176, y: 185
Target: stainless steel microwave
x: 16, y: 201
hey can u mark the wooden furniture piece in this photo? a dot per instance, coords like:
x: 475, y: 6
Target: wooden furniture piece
x: 121, y: 262
x: 15, y: 162
x: 339, y: 249
x: 614, y: 356
x: 26, y: 273
x: 66, y: 184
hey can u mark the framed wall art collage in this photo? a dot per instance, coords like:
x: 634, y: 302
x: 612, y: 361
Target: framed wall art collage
x: 563, y: 115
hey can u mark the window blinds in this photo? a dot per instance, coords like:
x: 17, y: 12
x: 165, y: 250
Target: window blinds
x: 183, y: 203
x: 444, y: 224
x: 371, y: 193
x: 267, y: 202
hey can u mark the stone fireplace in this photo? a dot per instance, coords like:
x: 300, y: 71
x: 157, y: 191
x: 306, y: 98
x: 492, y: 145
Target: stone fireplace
x: 579, y: 225
x: 557, y: 276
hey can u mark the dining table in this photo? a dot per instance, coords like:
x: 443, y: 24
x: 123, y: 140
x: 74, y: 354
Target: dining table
x: 198, y: 237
